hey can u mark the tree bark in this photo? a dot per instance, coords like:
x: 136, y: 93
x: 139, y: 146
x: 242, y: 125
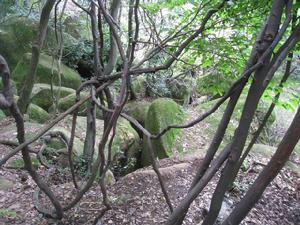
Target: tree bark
x: 254, y: 95
x: 276, y: 163
x: 24, y: 99
x: 15, y: 112
x: 89, y: 142
x: 115, y: 8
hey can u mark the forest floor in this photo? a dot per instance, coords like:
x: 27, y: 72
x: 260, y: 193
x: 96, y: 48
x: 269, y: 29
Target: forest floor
x: 137, y: 199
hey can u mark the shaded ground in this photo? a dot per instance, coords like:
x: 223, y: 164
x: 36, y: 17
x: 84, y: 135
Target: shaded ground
x: 136, y: 199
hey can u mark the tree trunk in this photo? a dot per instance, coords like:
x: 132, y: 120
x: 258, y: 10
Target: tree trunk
x: 24, y: 99
x: 276, y: 163
x: 115, y: 8
x: 241, y: 133
x: 89, y: 142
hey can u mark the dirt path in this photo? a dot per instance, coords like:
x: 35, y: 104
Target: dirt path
x: 136, y: 199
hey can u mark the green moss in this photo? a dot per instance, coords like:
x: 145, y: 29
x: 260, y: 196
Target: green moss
x: 137, y: 110
x: 214, y: 120
x: 19, y: 163
x: 126, y: 140
x: 68, y: 101
x: 4, y: 212
x: 16, y: 37
x: 162, y: 112
x: 41, y: 94
x: 57, y: 144
x: 2, y: 115
x: 37, y: 114
x: 181, y: 90
x: 69, y: 78
x: 139, y: 86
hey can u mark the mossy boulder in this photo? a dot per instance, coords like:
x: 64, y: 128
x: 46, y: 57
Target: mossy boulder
x: 37, y: 114
x: 69, y: 77
x: 19, y: 163
x: 139, y: 86
x: 127, y: 139
x: 126, y: 148
x: 42, y: 96
x: 181, y: 90
x: 58, y: 145
x: 66, y: 102
x: 69, y: 100
x: 138, y: 110
x: 162, y: 112
x: 2, y: 115
x: 126, y: 143
x: 34, y: 112
x: 16, y: 38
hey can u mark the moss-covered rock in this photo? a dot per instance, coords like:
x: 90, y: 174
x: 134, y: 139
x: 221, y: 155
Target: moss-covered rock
x: 126, y: 148
x: 181, y: 90
x: 41, y: 94
x: 126, y: 143
x: 16, y: 38
x: 2, y: 115
x: 34, y: 112
x: 19, y: 163
x: 66, y: 102
x: 69, y: 78
x: 138, y: 110
x: 57, y: 144
x: 162, y: 112
x: 139, y: 86
x: 127, y: 139
x: 37, y: 114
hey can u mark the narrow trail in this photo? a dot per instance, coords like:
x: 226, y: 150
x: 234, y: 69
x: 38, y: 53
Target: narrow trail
x: 137, y: 199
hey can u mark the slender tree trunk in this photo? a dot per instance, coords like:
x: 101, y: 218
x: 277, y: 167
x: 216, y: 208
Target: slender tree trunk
x: 218, y: 137
x: 9, y: 103
x: 89, y: 142
x: 276, y: 163
x: 24, y: 99
x: 205, y: 173
x: 115, y: 8
x: 266, y: 117
x: 257, y: 87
